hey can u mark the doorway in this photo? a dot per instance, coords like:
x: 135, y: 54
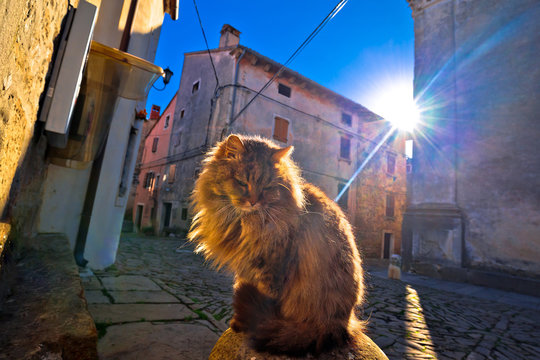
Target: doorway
x: 167, y: 209
x: 387, y: 245
x: 138, y: 216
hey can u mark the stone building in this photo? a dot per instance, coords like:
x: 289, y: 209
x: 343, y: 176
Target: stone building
x: 474, y: 212
x: 61, y: 64
x: 330, y: 133
x: 153, y: 172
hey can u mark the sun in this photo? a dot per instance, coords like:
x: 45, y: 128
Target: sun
x: 395, y: 103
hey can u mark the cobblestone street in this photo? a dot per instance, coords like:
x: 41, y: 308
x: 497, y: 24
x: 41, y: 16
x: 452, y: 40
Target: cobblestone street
x: 154, y: 287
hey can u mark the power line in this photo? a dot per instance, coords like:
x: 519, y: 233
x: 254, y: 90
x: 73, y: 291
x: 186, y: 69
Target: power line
x: 206, y: 42
x: 311, y: 36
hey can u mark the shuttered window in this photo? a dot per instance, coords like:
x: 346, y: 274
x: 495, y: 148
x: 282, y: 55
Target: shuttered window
x: 345, y: 148
x: 172, y: 173
x: 390, y: 205
x: 281, y: 129
x: 390, y: 163
x: 154, y: 144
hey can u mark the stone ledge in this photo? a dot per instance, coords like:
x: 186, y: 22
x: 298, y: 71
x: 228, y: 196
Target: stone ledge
x: 492, y: 279
x: 46, y: 315
x: 231, y: 346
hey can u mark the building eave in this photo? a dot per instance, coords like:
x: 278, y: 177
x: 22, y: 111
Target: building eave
x: 299, y: 78
x: 171, y: 8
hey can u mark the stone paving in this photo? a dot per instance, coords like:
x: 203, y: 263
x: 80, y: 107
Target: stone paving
x: 160, y: 302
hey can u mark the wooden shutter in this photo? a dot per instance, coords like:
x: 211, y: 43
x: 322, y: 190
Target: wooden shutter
x: 281, y: 129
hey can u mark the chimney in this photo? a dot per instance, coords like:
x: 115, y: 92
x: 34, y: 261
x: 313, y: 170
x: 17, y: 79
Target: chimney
x: 229, y: 36
x: 154, y: 113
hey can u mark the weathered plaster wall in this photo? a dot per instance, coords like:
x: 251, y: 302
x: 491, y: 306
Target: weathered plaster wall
x: 478, y: 62
x: 498, y: 110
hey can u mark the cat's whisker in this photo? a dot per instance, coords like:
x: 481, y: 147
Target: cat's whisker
x: 280, y: 184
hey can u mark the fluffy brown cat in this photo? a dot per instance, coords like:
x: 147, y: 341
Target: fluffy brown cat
x: 298, y: 273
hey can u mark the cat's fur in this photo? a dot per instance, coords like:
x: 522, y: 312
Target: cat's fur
x: 297, y: 270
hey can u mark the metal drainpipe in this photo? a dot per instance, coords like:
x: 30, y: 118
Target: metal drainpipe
x: 233, y: 100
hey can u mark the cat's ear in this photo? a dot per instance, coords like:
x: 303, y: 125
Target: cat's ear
x: 234, y: 146
x: 281, y: 153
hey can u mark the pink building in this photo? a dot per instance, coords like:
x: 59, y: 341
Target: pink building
x: 155, y: 174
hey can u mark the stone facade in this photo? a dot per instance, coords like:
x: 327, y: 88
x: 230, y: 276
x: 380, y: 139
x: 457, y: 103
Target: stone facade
x: 331, y: 135
x: 474, y: 196
x: 27, y: 44
x: 153, y: 172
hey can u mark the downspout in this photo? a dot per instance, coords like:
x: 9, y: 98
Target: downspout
x: 233, y: 100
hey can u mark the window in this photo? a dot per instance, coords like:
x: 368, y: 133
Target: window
x: 346, y: 119
x: 172, y: 173
x: 344, y: 199
x: 154, y: 144
x: 345, y: 148
x: 390, y: 204
x: 167, y: 121
x: 195, y: 87
x: 156, y: 182
x: 182, y: 112
x: 184, y: 214
x: 284, y: 90
x: 148, y: 179
x: 178, y: 139
x: 281, y: 129
x: 390, y: 163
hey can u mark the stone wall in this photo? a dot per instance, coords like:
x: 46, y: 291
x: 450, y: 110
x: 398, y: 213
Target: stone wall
x: 29, y: 30
x: 477, y: 67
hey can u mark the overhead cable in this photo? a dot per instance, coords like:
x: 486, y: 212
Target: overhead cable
x: 206, y: 42
x: 311, y: 36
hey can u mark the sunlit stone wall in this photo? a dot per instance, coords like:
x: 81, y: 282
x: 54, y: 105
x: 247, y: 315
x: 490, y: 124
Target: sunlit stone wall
x: 475, y: 192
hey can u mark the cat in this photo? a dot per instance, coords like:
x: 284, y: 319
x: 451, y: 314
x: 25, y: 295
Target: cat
x: 298, y: 274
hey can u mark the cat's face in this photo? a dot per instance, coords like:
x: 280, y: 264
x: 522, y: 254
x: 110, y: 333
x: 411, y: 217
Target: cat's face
x: 250, y: 175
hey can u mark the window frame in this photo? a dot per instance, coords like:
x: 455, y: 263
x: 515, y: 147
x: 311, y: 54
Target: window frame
x: 167, y: 120
x: 284, y: 90
x: 196, y: 86
x: 344, y: 138
x: 283, y: 122
x: 390, y: 208
x: 348, y: 122
x: 393, y: 157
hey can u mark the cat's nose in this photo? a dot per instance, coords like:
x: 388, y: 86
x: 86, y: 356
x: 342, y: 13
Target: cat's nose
x: 253, y: 199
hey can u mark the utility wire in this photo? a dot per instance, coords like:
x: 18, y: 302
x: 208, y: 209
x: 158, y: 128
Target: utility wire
x: 206, y: 42
x: 311, y: 36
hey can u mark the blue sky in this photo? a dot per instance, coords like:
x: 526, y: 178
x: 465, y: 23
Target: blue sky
x: 363, y: 52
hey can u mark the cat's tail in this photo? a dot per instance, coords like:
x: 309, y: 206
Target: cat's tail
x: 259, y: 317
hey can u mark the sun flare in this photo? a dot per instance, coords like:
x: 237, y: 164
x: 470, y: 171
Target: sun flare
x: 395, y: 103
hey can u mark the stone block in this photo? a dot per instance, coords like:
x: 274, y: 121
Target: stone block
x: 231, y: 346
x: 129, y: 282
x: 118, y: 313
x: 46, y: 316
x: 156, y: 341
x: 133, y: 297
